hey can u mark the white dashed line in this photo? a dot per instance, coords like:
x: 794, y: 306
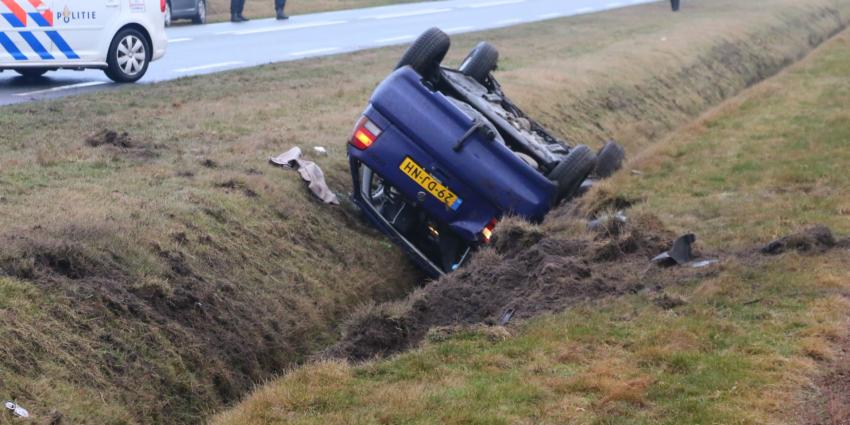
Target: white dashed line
x: 395, y: 39
x: 178, y: 40
x: 614, y: 5
x: 209, y: 66
x: 507, y: 22
x: 413, y: 13
x: 551, y: 15
x: 585, y: 10
x: 283, y: 28
x: 315, y: 51
x: 459, y: 29
x: 60, y: 88
x: 493, y: 3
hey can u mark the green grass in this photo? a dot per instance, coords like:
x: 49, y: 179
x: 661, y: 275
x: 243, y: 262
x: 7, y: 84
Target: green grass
x: 739, y: 352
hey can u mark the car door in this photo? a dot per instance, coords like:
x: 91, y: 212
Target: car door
x: 182, y: 8
x: 83, y: 25
x: 23, y: 31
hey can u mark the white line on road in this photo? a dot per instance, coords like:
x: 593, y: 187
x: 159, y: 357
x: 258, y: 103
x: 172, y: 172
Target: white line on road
x: 60, y: 88
x: 614, y: 5
x: 395, y: 39
x: 209, y: 66
x: 551, y: 15
x: 458, y: 29
x: 507, y: 22
x: 283, y: 28
x: 413, y: 13
x: 315, y: 51
x: 493, y: 3
x: 585, y: 10
x: 178, y: 40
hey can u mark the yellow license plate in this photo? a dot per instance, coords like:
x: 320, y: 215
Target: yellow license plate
x: 434, y: 187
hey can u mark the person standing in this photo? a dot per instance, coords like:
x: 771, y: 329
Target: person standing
x: 236, y: 8
x: 278, y: 7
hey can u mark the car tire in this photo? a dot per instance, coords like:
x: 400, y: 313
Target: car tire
x: 131, y: 44
x: 570, y: 173
x: 167, y: 15
x: 201, y: 17
x: 426, y: 53
x: 609, y: 160
x: 31, y: 73
x: 480, y: 62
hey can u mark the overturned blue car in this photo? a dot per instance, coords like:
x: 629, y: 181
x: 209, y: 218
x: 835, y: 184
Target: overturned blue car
x: 440, y: 155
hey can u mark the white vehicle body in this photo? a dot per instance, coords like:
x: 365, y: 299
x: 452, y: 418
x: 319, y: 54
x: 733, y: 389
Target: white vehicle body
x: 39, y: 35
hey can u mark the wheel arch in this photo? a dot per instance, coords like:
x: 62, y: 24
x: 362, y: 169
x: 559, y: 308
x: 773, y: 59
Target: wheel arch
x: 141, y: 28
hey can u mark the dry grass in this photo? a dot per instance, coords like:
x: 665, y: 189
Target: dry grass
x: 742, y: 350
x: 158, y: 282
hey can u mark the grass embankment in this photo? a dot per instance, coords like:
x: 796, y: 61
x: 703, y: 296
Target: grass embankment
x: 738, y: 346
x: 159, y: 277
x: 219, y: 10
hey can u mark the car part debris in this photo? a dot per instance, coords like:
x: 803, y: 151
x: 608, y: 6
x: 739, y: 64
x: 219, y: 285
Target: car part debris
x: 320, y: 150
x: 506, y: 316
x: 703, y: 263
x: 608, y: 221
x: 309, y: 171
x: 680, y: 254
x: 16, y: 410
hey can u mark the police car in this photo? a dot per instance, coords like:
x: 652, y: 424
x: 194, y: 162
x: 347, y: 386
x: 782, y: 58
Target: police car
x: 121, y: 37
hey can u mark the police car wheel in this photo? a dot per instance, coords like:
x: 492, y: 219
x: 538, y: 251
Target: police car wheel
x: 129, y: 56
x: 168, y: 14
x: 201, y: 17
x: 31, y: 72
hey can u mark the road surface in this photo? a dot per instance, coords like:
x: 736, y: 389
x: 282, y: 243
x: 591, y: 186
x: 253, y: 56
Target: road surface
x: 204, y: 49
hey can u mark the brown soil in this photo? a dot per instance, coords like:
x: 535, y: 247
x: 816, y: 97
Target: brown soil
x: 815, y: 239
x: 831, y: 402
x: 121, y: 143
x: 526, y: 273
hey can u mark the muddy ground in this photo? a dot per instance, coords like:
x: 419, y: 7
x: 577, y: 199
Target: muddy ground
x: 528, y: 272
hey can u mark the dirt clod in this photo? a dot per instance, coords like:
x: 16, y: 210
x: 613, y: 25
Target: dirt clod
x: 815, y: 239
x: 543, y: 272
x: 121, y: 143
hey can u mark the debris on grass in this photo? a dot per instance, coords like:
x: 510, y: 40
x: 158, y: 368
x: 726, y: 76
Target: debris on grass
x: 121, y: 143
x: 815, y: 239
x: 680, y: 254
x: 16, y: 410
x: 309, y: 171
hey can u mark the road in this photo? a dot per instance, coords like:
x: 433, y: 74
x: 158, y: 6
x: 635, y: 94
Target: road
x: 204, y: 49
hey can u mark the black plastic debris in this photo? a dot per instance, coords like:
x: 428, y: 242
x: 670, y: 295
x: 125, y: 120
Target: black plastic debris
x: 680, y: 254
x: 506, y: 317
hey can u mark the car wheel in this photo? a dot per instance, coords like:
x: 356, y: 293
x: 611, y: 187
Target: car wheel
x: 427, y: 52
x: 167, y: 16
x: 129, y: 56
x: 480, y: 62
x: 201, y: 17
x: 570, y: 173
x: 31, y: 72
x: 609, y: 160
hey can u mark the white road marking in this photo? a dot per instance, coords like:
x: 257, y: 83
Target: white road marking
x: 208, y: 66
x: 315, y: 51
x: 585, y: 10
x: 614, y: 5
x: 277, y: 28
x: 492, y: 3
x: 458, y: 29
x: 60, y: 88
x: 551, y: 15
x: 413, y: 13
x: 178, y: 40
x: 395, y: 39
x: 507, y: 22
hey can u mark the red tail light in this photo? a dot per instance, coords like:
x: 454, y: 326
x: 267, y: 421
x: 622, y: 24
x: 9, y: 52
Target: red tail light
x: 365, y: 133
x: 487, y: 233
x: 162, y: 6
